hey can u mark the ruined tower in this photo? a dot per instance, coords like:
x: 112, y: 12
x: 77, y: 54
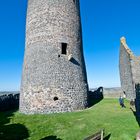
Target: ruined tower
x: 54, y: 75
x: 129, y: 70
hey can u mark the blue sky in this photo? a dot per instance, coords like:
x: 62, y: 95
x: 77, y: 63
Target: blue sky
x: 103, y: 22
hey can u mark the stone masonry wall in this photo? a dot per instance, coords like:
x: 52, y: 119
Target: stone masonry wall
x: 9, y: 101
x: 53, y: 82
x: 135, y: 64
x: 125, y: 69
x: 129, y: 70
x: 114, y: 92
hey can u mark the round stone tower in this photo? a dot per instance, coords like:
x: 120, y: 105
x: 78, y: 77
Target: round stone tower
x: 54, y: 75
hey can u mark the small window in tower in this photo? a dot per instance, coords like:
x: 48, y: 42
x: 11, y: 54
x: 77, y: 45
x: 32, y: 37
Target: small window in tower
x: 74, y: 1
x: 64, y: 48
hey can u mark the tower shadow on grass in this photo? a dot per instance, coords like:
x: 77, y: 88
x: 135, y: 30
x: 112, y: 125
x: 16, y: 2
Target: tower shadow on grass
x: 95, y: 97
x: 11, y: 131
x: 136, y: 116
x: 51, y: 138
x: 136, y: 112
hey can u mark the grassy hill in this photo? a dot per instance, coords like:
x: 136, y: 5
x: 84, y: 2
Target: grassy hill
x: 119, y: 123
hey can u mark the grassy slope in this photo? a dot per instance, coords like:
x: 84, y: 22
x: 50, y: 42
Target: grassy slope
x: 107, y: 114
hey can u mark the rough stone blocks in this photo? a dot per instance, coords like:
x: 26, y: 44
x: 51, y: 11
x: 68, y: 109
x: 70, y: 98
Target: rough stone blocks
x: 129, y: 70
x: 54, y: 74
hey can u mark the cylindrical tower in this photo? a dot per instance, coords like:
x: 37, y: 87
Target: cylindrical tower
x: 54, y: 75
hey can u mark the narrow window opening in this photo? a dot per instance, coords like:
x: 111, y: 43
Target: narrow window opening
x: 74, y: 1
x: 64, y: 48
x: 55, y: 98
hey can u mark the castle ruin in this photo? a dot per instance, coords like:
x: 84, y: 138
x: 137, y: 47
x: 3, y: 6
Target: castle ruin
x: 129, y: 70
x: 54, y: 75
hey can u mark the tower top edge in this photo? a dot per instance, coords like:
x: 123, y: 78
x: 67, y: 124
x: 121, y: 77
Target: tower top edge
x: 124, y: 44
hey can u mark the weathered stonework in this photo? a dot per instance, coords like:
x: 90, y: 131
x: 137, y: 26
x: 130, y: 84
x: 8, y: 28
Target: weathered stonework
x: 129, y: 70
x: 54, y: 75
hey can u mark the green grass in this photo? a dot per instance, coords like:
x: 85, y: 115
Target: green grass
x: 107, y: 114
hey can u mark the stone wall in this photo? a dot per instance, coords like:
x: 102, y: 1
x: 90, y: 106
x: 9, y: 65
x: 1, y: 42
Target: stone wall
x: 53, y: 81
x: 125, y: 69
x: 115, y: 92
x: 129, y: 70
x: 9, y: 101
x: 135, y: 64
